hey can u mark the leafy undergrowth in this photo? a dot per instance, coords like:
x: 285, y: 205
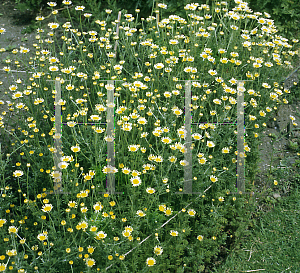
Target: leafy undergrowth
x: 273, y: 244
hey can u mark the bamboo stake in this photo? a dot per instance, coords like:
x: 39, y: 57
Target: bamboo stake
x: 110, y: 144
x: 57, y: 141
x: 240, y: 138
x: 188, y: 175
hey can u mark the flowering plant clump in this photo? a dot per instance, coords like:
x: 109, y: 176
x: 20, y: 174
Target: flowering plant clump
x: 149, y: 64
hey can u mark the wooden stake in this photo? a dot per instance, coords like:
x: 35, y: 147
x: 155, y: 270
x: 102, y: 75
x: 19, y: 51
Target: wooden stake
x: 240, y: 138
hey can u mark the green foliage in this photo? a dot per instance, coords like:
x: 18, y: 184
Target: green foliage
x: 271, y: 245
x: 122, y: 231
x: 286, y: 14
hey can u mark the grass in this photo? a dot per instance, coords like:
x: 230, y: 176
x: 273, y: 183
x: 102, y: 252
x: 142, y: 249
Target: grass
x: 273, y: 244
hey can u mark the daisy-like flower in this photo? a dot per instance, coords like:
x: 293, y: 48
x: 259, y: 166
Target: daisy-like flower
x: 126, y: 233
x: 24, y: 50
x: 63, y: 165
x: 17, y: 173
x: 118, y: 67
x: 210, y: 144
x: 111, y: 55
x: 158, y: 250
x: 173, y: 42
x: 80, y: 8
x: 166, y: 140
x: 53, y: 25
x: 266, y: 85
x: 221, y: 199
x: 47, y: 208
x: 109, y: 87
x: 162, y: 6
x: 191, y: 212
x: 84, y: 209
x: 98, y: 207
x: 174, y: 233
x: 162, y: 207
x: 70, y: 87
x: 262, y: 113
x: 212, y: 72
x: 75, y: 149
x: 72, y: 204
x: 159, y: 66
x: 150, y: 261
x: 56, y: 175
x: 2, y: 267
x: 40, y: 18
x: 202, y: 160
x: 90, y: 262
x: 168, y: 211
x: 150, y: 190
x: 140, y: 213
x: 2, y: 30
x: 213, y: 178
x: 133, y: 148
x: 200, y: 238
x: 100, y: 235
x: 95, y: 118
x: 11, y: 252
x: 42, y: 236
x: 136, y: 181
x: 2, y: 222
x: 52, y: 4
x: 12, y: 229
x: 177, y: 111
x: 225, y: 150
x: 53, y: 68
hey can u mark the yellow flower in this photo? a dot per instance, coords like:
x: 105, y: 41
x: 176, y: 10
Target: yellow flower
x: 90, y: 262
x: 17, y: 173
x: 100, y: 235
x: 75, y: 149
x: 213, y: 178
x: 98, y: 207
x: 150, y: 190
x: 90, y: 249
x: 174, y: 233
x: 191, y: 212
x: 80, y: 8
x: 53, y: 25
x: 47, y: 208
x: 2, y: 267
x: 140, y: 213
x: 12, y: 229
x: 158, y: 250
x: 200, y: 238
x: 150, y: 261
x: 225, y: 150
x: 159, y: 66
x: 136, y: 181
x: 40, y: 18
x: 42, y: 236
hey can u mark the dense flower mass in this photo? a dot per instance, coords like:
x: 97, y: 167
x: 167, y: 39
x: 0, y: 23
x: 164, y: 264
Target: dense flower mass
x: 120, y: 114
